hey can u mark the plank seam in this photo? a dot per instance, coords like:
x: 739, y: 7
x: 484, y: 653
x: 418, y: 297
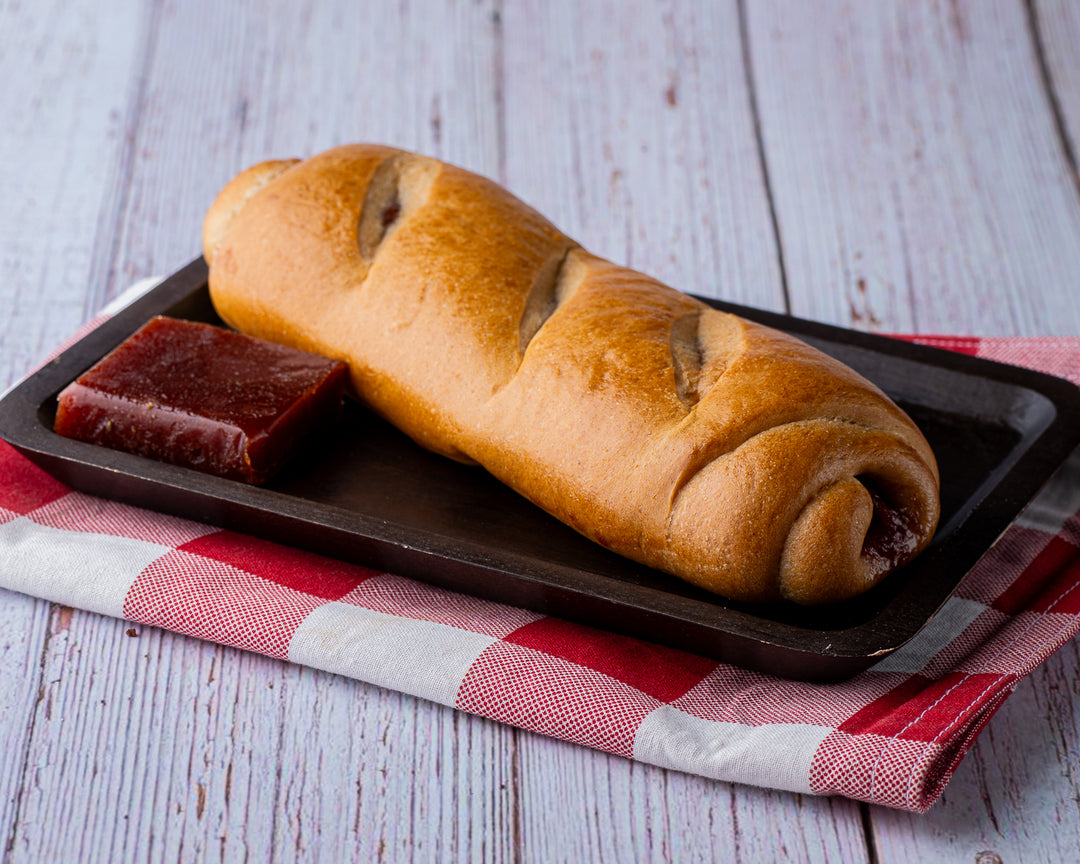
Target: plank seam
x: 99, y: 282
x: 868, y: 833
x: 759, y: 140
x: 500, y: 88
x: 1054, y: 103
x: 9, y: 844
x: 517, y: 840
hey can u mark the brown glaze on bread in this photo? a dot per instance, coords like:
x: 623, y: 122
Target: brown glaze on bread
x: 729, y: 454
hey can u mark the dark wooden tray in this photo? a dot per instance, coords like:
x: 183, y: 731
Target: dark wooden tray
x: 367, y: 494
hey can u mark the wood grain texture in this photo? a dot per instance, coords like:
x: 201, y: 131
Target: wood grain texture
x: 1056, y: 29
x: 24, y: 634
x: 230, y: 756
x: 61, y: 123
x: 69, y: 68
x: 292, y: 80
x: 615, y: 810
x: 648, y: 155
x: 920, y: 183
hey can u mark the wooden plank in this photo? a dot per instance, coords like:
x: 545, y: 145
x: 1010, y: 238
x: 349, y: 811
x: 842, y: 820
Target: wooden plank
x: 292, y: 81
x: 24, y: 634
x: 173, y: 750
x: 64, y: 109
x: 633, y: 133
x: 63, y: 104
x: 919, y: 181
x: 233, y: 107
x: 617, y: 810
x: 1056, y: 28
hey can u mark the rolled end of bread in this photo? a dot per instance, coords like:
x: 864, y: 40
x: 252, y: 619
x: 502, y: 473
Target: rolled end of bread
x: 822, y: 560
x: 854, y: 505
x: 233, y: 197
x: 847, y: 539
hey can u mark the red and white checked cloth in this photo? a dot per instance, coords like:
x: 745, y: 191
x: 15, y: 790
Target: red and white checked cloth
x: 893, y: 735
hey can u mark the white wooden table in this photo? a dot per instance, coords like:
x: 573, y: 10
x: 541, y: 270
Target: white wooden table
x: 892, y: 166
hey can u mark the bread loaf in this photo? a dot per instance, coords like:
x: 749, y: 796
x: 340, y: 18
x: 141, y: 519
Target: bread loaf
x: 721, y: 451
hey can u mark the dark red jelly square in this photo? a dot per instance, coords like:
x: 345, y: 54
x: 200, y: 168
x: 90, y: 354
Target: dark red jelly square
x: 203, y: 397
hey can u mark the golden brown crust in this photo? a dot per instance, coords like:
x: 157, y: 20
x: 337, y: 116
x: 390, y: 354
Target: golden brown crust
x: 682, y: 437
x: 234, y: 196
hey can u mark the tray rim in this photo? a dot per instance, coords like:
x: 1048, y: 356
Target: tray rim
x: 1031, y: 471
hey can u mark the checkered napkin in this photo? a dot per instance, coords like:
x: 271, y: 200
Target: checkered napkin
x: 892, y: 735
